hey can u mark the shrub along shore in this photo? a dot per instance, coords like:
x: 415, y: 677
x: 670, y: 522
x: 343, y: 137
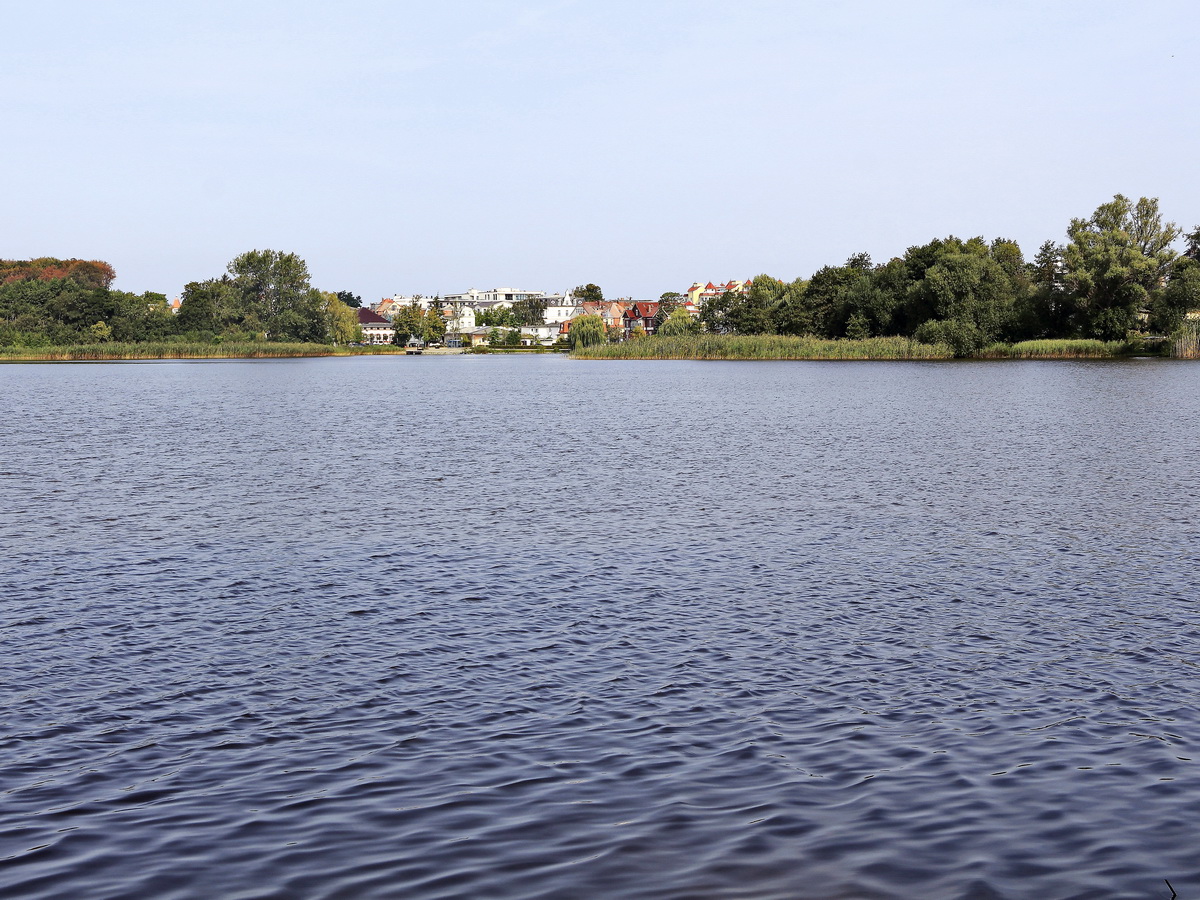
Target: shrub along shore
x: 746, y: 347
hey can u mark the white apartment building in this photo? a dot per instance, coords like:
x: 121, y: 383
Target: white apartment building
x: 504, y: 296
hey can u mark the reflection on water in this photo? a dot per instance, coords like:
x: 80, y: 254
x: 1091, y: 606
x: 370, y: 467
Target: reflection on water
x: 483, y: 627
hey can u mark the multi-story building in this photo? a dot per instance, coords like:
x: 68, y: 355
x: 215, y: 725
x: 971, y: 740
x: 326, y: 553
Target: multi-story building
x: 698, y: 292
x: 375, y: 328
x: 559, y: 308
x: 640, y: 315
x: 505, y: 296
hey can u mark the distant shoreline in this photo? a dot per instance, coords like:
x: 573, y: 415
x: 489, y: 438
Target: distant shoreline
x: 169, y: 351
x: 688, y: 347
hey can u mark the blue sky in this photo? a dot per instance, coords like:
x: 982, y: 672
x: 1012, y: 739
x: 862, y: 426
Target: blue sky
x: 432, y: 147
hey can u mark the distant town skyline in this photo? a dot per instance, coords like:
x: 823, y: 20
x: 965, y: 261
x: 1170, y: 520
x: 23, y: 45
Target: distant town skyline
x: 544, y: 144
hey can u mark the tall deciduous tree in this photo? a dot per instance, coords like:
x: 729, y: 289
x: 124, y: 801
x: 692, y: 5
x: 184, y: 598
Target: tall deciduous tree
x: 588, y: 292
x: 753, y: 312
x: 828, y: 289
x: 408, y: 322
x: 667, y: 304
x: 530, y: 311
x: 1192, y: 250
x: 276, y: 287
x: 215, y: 306
x: 1046, y: 307
x: 1115, y: 260
x: 973, y: 292
x: 791, y: 315
x: 715, y: 313
x: 434, y: 326
x: 141, y: 317
x: 1180, y: 297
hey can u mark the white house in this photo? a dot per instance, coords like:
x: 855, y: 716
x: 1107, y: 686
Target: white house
x: 560, y: 308
x: 375, y: 328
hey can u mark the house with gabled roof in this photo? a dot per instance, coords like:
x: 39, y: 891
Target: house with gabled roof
x: 698, y: 292
x: 611, y: 312
x: 375, y: 328
x: 641, y: 314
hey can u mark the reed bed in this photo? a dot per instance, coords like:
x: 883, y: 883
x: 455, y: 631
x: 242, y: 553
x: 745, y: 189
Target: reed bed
x: 183, y: 350
x: 1052, y: 348
x: 763, y: 346
x: 1186, y: 344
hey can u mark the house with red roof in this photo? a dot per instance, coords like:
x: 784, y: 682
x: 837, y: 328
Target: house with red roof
x: 698, y: 292
x: 641, y: 314
x: 375, y: 328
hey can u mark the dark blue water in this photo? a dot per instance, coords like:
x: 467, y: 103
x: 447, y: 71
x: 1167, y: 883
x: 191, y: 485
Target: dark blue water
x: 483, y: 627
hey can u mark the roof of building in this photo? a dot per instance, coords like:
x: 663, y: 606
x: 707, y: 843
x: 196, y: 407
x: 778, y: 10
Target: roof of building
x: 367, y: 317
x: 643, y: 309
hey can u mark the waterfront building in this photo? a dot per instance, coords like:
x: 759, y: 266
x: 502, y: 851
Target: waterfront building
x: 640, y: 315
x: 375, y: 328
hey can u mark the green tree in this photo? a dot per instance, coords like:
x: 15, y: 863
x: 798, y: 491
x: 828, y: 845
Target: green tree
x: 275, y: 287
x: 38, y: 311
x: 1192, y: 251
x: 1180, y: 297
x: 497, y: 316
x: 409, y: 322
x: 679, y: 322
x: 141, y: 317
x: 588, y: 292
x: 587, y: 331
x: 1115, y: 261
x: 530, y: 311
x: 342, y: 320
x: 971, y: 290
x: 434, y: 326
x: 352, y: 300
x: 754, y: 311
x: 1044, y: 308
x: 667, y: 304
x: 216, y: 306
x: 813, y: 311
x: 791, y: 315
x: 858, y: 327
x: 715, y: 312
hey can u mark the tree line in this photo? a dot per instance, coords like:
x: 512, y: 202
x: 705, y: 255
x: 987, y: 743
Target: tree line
x: 263, y: 295
x: 1117, y: 273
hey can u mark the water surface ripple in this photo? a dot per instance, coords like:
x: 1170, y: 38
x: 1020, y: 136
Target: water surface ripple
x: 534, y: 628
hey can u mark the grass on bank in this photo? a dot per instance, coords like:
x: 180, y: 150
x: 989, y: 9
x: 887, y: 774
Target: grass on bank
x: 763, y: 346
x: 187, y: 350
x: 1052, y: 348
x: 728, y: 346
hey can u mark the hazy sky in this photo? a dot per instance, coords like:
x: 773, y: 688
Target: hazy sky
x: 436, y: 146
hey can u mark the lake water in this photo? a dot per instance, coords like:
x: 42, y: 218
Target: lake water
x: 485, y: 627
